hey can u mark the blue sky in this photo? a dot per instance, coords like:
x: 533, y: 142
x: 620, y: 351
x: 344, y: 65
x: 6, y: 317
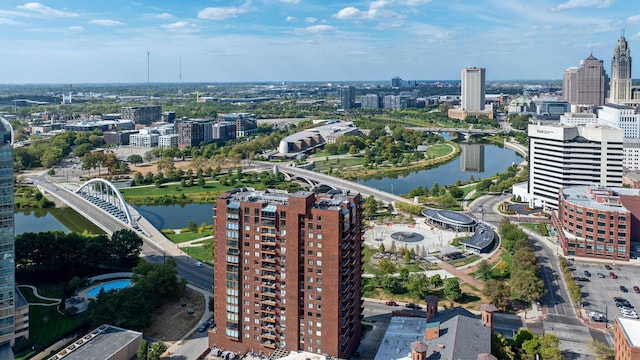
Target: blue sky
x: 88, y: 41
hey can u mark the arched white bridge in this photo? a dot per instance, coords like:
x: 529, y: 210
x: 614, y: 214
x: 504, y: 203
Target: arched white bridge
x: 107, y: 197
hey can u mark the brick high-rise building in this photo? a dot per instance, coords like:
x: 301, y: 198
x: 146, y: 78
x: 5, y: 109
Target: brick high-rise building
x: 288, y: 272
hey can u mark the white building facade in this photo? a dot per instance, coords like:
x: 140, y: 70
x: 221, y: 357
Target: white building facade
x: 144, y: 140
x: 621, y: 116
x: 473, y: 88
x: 167, y: 141
x: 562, y: 156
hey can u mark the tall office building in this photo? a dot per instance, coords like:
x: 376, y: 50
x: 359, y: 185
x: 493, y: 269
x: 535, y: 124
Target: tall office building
x: 7, y: 236
x: 472, y: 88
x: 288, y: 272
x: 347, y: 97
x: 585, y: 85
x: 620, y: 88
x: 562, y: 156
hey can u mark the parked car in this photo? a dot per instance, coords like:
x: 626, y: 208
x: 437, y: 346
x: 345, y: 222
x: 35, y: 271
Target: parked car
x: 587, y: 274
x: 624, y: 289
x: 413, y: 306
x: 203, y: 327
x: 631, y: 316
x: 613, y: 275
x: 197, y: 264
x: 636, y: 289
x: 600, y: 275
x: 608, y: 267
x: 391, y: 303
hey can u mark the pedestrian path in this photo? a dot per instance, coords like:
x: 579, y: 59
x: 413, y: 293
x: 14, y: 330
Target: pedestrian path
x: 54, y: 301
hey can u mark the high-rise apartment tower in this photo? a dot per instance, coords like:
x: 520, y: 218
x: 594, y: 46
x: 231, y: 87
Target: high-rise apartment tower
x: 472, y: 89
x: 7, y: 236
x: 620, y: 88
x: 288, y: 272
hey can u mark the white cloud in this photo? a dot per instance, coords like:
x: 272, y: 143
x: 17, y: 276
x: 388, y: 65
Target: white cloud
x: 584, y: 3
x: 182, y: 27
x: 163, y: 16
x: 290, y: 19
x: 316, y: 29
x: 221, y: 13
x: 376, y: 11
x: 75, y: 28
x: 291, y: 1
x: 4, y: 21
x: 106, y: 22
x: 414, y: 2
x: 634, y: 19
x: 310, y: 19
x: 46, y: 11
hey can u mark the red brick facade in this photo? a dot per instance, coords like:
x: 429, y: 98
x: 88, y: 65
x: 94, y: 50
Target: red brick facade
x: 288, y: 273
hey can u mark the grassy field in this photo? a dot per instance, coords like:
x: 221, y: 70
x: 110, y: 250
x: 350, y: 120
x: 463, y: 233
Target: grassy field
x: 201, y: 253
x: 437, y: 150
x: 186, y: 236
x: 175, y: 193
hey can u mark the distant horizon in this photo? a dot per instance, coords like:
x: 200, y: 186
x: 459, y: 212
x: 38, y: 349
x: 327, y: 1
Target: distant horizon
x: 249, y: 41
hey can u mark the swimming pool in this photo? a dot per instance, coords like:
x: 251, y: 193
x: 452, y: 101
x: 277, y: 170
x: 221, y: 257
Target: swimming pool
x: 109, y: 286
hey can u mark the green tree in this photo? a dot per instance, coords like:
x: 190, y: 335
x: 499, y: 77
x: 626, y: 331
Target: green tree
x: 381, y: 248
x: 497, y: 292
x: 391, y: 283
x: 126, y: 245
x: 484, y: 270
x: 435, y: 281
x: 192, y: 226
x: 404, y: 274
x: 527, y: 285
x: 550, y: 347
x: 418, y: 284
x: 370, y: 206
x: 135, y: 159
x: 387, y: 266
x: 148, y: 156
x: 157, y: 349
x: 452, y: 289
x: 601, y: 350
x: 142, y: 351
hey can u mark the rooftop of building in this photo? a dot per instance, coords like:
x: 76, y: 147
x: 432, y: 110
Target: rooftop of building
x: 101, y: 343
x: 271, y: 198
x: 322, y: 130
x: 99, y: 122
x: 481, y: 239
x: 631, y: 329
x: 462, y: 336
x: 618, y: 106
x: 586, y: 196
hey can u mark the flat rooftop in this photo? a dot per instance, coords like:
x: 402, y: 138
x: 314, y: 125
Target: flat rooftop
x: 101, y: 343
x: 631, y: 329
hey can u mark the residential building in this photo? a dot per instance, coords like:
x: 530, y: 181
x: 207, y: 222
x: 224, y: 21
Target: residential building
x: 144, y: 138
x: 631, y: 160
x: 620, y: 86
x: 597, y: 222
x: 399, y: 101
x: 145, y: 115
x: 370, y: 101
x: 621, y: 116
x: 626, y: 334
x: 118, y: 137
x: 561, y: 156
x: 190, y: 134
x: 288, y: 272
x: 167, y: 141
x: 246, y: 124
x: 473, y: 88
x: 347, y: 97
x: 587, y: 84
x: 224, y: 130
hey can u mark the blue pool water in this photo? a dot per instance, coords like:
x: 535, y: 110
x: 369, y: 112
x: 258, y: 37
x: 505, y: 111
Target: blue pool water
x: 108, y: 286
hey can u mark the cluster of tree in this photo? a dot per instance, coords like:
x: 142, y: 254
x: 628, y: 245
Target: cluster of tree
x: 108, y: 160
x: 524, y: 274
x: 519, y: 121
x: 482, y: 120
x: 30, y: 197
x: 526, y: 346
x: 132, y: 307
x: 505, y: 180
x: 48, y: 152
x: 572, y: 285
x: 150, y: 352
x: 55, y: 251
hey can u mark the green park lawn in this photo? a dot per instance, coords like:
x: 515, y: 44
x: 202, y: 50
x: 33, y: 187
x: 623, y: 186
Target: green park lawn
x: 201, y: 253
x: 186, y: 236
x: 437, y: 150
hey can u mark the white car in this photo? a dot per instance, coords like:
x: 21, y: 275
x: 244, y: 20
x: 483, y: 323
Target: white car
x: 632, y: 316
x: 595, y: 313
x: 197, y: 264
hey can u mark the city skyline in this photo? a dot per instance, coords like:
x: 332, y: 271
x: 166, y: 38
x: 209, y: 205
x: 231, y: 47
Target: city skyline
x: 305, y: 40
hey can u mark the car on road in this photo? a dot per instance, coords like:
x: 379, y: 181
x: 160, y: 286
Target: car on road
x: 608, y: 267
x: 613, y: 275
x: 636, y: 289
x: 413, y: 306
x: 598, y: 318
x: 391, y: 303
x: 587, y: 274
x: 203, y: 327
x: 624, y: 289
x: 600, y: 275
x: 197, y: 264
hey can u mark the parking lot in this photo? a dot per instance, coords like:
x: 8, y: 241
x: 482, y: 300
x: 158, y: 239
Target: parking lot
x: 599, y: 291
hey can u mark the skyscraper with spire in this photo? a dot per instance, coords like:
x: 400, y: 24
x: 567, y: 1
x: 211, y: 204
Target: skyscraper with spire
x: 620, y: 86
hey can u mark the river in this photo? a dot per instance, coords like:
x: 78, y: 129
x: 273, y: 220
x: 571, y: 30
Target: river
x: 477, y: 160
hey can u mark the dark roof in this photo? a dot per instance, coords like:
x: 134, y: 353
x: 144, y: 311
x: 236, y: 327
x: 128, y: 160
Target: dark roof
x: 462, y: 335
x: 617, y: 106
x: 481, y: 239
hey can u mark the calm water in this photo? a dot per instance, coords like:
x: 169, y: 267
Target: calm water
x: 176, y: 216
x: 64, y: 219
x: 476, y: 160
